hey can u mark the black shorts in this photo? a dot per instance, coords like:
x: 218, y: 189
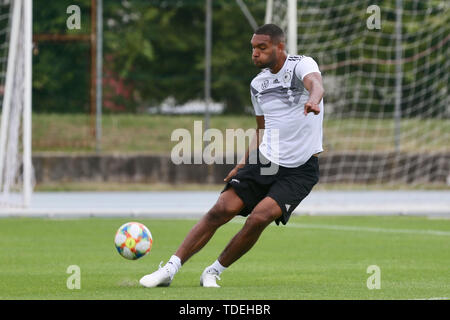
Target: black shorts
x: 288, y: 186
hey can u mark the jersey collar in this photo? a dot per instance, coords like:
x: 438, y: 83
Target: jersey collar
x: 282, y: 68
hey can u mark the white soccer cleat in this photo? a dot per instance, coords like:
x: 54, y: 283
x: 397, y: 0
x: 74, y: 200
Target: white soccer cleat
x: 209, y: 277
x: 159, y: 278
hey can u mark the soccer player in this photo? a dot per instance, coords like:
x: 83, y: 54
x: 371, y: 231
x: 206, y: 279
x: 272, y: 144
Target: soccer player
x: 287, y: 99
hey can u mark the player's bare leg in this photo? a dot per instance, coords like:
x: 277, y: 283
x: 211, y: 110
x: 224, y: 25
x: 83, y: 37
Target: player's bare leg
x: 226, y: 207
x: 262, y: 215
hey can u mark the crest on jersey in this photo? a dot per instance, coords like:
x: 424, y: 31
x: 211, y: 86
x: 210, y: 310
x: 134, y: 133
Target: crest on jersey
x: 264, y: 85
x: 287, y: 76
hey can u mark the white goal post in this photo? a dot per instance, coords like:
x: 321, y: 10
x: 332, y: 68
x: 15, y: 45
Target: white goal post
x: 16, y: 172
x: 285, y: 14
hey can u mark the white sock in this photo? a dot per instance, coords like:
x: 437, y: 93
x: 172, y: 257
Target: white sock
x: 174, y: 264
x: 216, y: 265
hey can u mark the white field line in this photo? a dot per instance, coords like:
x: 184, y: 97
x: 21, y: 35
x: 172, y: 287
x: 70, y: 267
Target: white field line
x: 368, y: 229
x: 359, y: 229
x: 434, y: 298
x: 194, y: 214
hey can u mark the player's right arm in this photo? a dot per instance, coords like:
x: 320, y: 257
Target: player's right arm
x: 257, y: 138
x: 254, y: 144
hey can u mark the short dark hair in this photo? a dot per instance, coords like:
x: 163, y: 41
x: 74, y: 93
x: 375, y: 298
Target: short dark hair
x: 272, y: 30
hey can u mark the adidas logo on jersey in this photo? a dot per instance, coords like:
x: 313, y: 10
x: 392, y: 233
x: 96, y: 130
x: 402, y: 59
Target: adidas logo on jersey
x: 296, y: 58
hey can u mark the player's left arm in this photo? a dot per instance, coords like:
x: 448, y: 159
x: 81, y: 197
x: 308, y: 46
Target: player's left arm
x: 313, y: 83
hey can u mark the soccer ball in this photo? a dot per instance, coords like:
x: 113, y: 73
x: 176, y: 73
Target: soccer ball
x: 133, y: 240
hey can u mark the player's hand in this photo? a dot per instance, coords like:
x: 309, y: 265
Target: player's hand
x: 232, y: 173
x: 311, y: 107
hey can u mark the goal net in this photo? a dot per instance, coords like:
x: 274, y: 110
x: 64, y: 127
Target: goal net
x: 386, y: 75
x: 15, y: 92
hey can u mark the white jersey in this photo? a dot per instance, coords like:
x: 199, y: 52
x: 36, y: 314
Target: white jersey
x: 290, y: 137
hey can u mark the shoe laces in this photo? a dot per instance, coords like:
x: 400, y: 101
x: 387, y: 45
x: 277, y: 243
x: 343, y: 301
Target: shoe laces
x: 214, y: 273
x: 163, y: 267
x: 166, y: 269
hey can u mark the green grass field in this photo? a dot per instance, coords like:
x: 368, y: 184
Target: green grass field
x: 313, y: 257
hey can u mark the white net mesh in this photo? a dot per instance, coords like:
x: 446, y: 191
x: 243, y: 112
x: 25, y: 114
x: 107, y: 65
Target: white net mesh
x: 387, y: 102
x: 11, y: 139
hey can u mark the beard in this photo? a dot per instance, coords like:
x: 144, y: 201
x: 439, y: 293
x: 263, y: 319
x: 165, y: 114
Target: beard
x: 269, y: 64
x: 264, y: 65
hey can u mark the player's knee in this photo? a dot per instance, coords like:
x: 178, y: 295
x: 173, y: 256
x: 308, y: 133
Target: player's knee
x: 220, y: 213
x: 259, y: 219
